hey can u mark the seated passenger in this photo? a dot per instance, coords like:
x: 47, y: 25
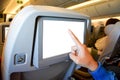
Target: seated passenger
x: 101, y: 43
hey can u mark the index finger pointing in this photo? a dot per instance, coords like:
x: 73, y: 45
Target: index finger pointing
x: 75, y: 39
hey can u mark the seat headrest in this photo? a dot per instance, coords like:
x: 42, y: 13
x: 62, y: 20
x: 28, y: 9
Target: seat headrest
x: 108, y: 29
x: 117, y: 24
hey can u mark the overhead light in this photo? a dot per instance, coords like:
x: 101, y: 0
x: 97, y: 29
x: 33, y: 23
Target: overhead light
x: 103, y: 19
x: 90, y: 2
x: 96, y: 22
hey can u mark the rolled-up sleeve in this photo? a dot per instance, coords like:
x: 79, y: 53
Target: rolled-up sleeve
x: 102, y: 74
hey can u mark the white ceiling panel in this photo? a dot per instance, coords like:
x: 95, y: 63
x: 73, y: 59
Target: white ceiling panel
x: 61, y: 3
x: 91, y: 11
x: 108, y: 8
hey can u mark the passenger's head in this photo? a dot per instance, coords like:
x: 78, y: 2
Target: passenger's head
x: 111, y: 21
x: 110, y: 25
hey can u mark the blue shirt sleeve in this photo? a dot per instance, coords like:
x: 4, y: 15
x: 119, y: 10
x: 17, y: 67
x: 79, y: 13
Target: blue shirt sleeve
x: 102, y: 74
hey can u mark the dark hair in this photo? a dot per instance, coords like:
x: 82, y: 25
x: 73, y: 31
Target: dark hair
x: 10, y: 19
x: 111, y: 21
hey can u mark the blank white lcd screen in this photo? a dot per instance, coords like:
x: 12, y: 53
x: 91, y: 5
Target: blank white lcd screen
x: 56, y: 39
x: 6, y: 31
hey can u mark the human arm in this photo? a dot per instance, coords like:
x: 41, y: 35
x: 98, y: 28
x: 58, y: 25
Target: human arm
x: 102, y: 74
x: 81, y: 56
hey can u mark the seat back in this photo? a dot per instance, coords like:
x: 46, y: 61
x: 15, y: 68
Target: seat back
x: 22, y: 57
x: 112, y: 47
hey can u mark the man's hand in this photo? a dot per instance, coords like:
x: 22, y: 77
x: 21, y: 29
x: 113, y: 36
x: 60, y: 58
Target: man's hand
x: 80, y: 54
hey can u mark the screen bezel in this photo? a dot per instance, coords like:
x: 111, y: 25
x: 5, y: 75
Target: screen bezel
x: 3, y: 32
x: 63, y: 57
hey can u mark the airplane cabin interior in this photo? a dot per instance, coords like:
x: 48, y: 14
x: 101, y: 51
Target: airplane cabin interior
x: 35, y: 43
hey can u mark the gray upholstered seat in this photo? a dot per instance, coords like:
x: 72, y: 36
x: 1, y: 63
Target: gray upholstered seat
x: 113, y: 43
